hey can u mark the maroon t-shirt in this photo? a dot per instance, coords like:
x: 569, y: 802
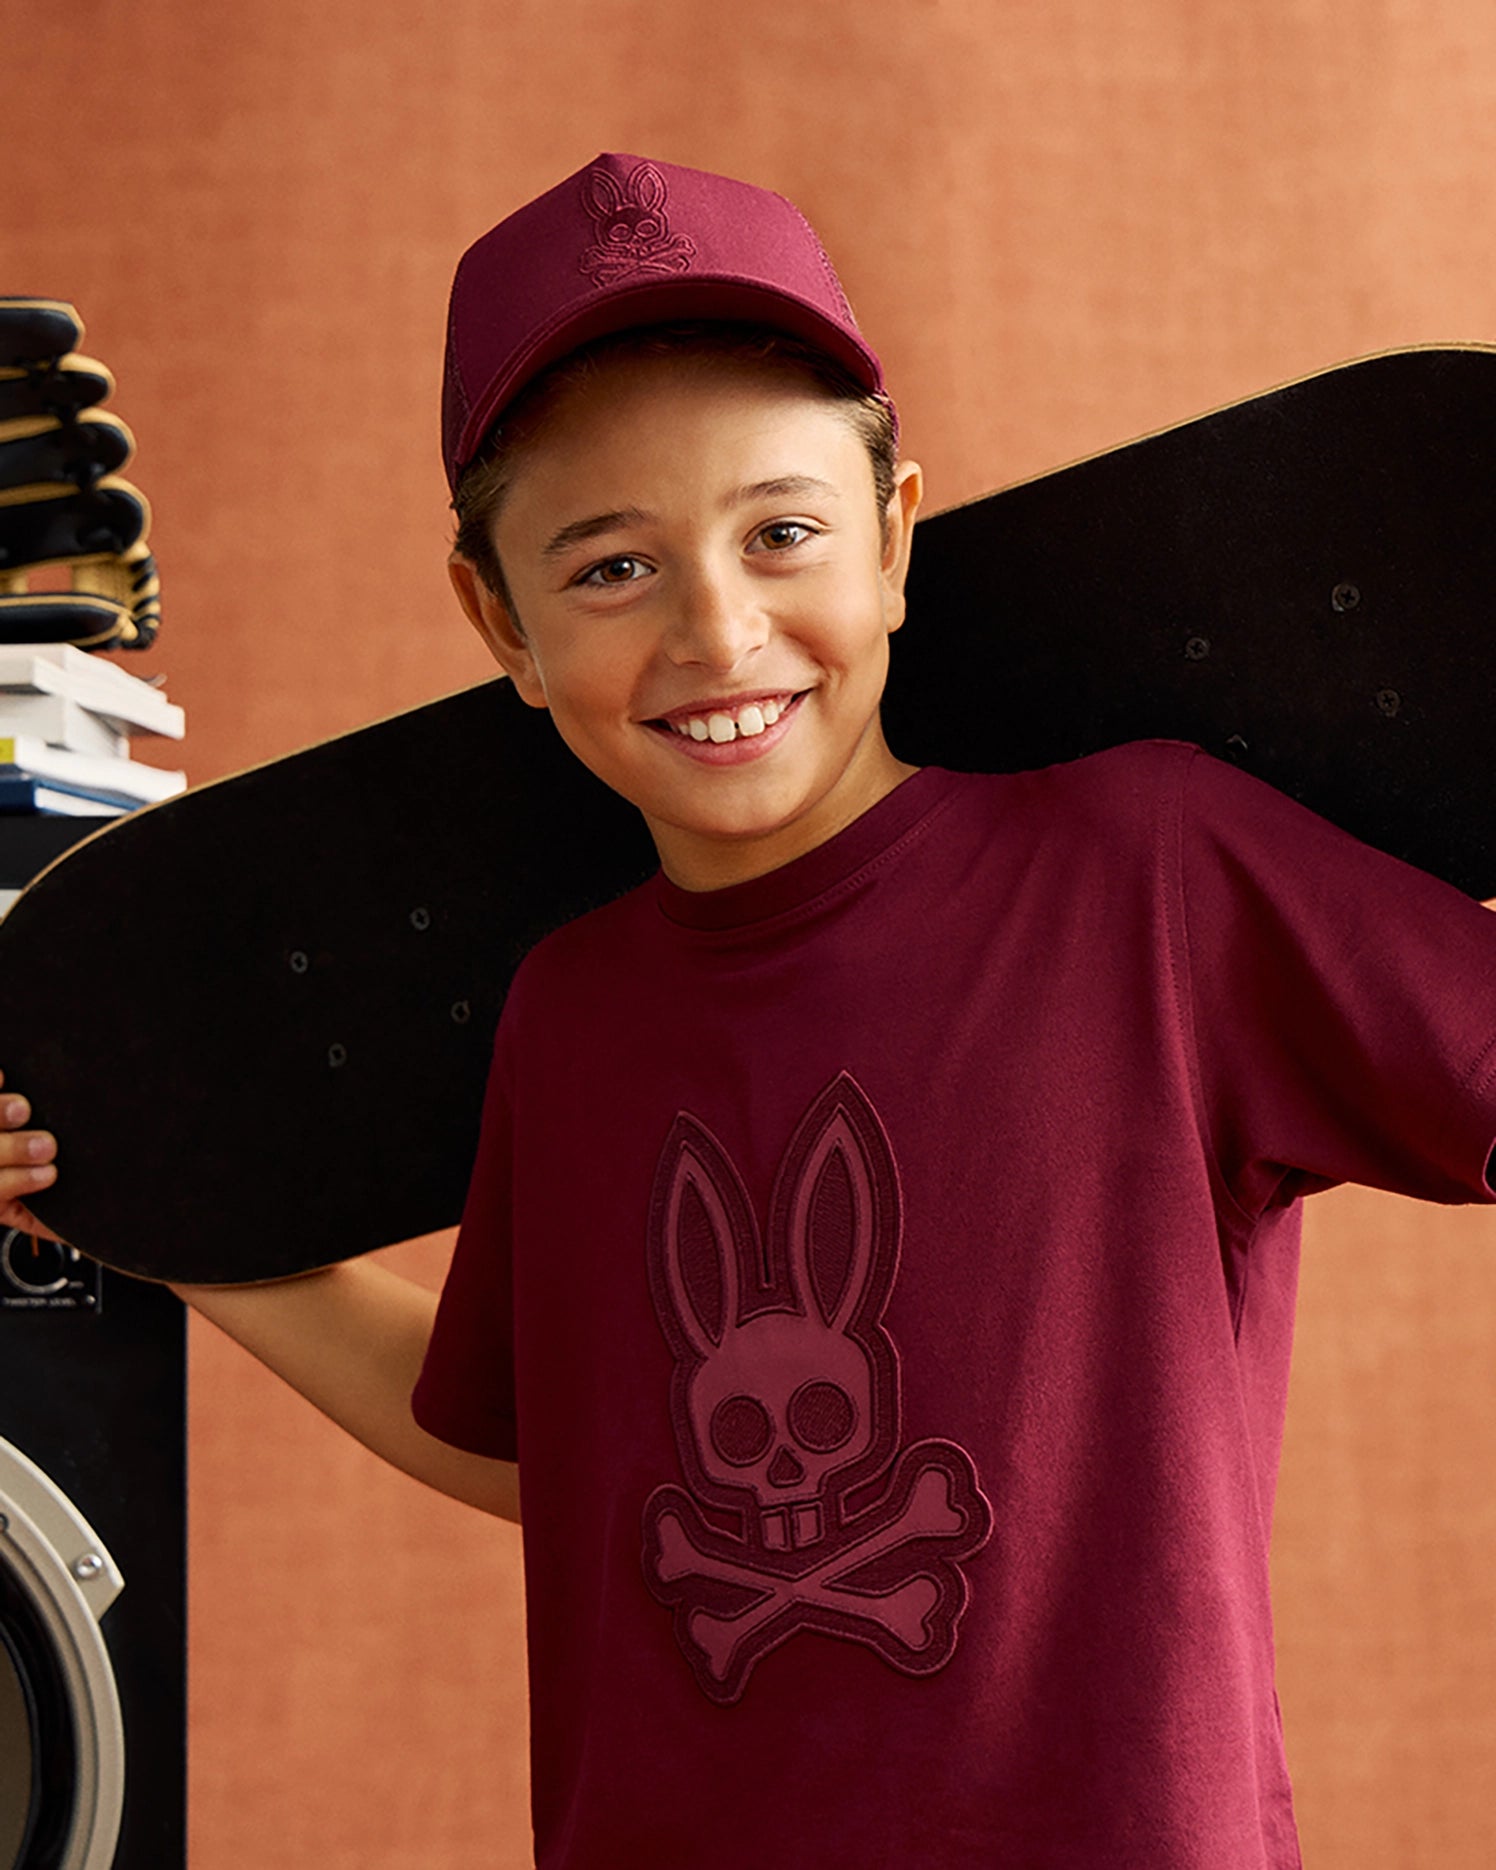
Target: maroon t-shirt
x: 883, y: 1271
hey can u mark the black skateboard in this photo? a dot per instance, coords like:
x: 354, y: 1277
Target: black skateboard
x: 259, y: 1016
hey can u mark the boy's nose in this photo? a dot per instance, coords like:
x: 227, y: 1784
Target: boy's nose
x: 718, y: 624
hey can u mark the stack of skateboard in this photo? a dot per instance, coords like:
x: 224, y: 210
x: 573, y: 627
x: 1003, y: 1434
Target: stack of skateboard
x: 62, y: 505
x: 75, y: 575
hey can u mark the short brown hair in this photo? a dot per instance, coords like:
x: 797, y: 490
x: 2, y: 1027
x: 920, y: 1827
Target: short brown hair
x: 484, y: 482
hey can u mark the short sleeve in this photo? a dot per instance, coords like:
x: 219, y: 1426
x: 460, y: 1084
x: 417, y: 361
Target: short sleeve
x: 465, y: 1393
x: 1343, y: 1003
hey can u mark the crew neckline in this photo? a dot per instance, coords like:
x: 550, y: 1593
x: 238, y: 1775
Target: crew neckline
x: 799, y: 882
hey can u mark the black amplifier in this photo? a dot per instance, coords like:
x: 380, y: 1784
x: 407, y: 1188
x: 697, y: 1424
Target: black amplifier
x: 93, y: 1715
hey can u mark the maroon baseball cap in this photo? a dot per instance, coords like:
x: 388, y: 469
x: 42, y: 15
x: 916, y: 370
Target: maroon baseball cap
x: 628, y: 242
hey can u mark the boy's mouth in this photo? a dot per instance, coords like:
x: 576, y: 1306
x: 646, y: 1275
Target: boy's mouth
x: 726, y: 721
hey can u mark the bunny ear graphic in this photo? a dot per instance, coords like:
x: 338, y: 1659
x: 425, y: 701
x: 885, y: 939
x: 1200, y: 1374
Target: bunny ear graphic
x: 647, y: 187
x: 602, y: 196
x: 701, y: 1238
x: 835, y: 1212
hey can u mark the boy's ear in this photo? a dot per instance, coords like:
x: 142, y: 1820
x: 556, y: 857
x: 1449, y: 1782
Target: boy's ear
x: 495, y: 622
x: 898, y: 539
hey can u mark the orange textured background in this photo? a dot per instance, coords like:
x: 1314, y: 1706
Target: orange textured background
x: 1063, y: 224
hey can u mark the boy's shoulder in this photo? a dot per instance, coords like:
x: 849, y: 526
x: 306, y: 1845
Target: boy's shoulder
x: 1138, y: 779
x: 1132, y: 769
x: 604, y: 921
x: 1110, y: 793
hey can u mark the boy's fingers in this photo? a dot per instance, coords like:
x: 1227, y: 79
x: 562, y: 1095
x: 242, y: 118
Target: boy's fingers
x: 16, y: 1184
x: 26, y: 1166
x: 26, y: 1162
x: 20, y: 1147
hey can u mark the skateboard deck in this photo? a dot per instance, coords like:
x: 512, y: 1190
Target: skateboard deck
x: 259, y: 1016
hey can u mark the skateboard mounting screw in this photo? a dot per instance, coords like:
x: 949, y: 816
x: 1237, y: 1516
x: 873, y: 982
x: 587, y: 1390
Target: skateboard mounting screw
x: 1344, y: 597
x: 1197, y: 648
x: 337, y: 1055
x: 1389, y: 701
x: 299, y: 962
x: 1236, y: 744
x: 461, y: 1012
x: 89, y: 1565
x: 420, y: 918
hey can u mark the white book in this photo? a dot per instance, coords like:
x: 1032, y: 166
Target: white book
x: 62, y: 723
x: 128, y: 778
x: 59, y: 669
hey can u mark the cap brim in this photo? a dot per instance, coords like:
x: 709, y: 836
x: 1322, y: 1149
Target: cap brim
x: 663, y: 302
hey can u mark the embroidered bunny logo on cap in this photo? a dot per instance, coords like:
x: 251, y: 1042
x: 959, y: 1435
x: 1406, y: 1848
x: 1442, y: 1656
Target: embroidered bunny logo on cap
x: 785, y: 1399
x: 633, y: 232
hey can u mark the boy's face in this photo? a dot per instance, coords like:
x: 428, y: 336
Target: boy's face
x: 702, y: 596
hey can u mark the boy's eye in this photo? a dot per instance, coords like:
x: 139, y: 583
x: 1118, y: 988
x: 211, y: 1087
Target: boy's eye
x: 622, y: 570
x: 783, y: 533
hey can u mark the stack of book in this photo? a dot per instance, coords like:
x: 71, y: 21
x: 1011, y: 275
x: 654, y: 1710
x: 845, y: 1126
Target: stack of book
x: 66, y: 723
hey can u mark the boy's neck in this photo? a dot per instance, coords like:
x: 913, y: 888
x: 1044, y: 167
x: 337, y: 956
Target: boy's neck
x: 693, y: 861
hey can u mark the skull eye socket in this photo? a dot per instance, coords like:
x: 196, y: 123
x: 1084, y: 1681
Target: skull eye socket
x: 741, y: 1430
x: 821, y: 1416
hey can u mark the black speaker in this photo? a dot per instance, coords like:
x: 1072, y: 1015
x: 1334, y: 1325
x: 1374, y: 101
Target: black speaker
x: 93, y: 1715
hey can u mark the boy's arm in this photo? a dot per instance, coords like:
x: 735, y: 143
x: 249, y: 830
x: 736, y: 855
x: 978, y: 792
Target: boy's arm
x: 352, y: 1339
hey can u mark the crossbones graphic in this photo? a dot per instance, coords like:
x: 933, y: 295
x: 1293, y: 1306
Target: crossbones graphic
x: 785, y: 1405
x: 910, y: 1618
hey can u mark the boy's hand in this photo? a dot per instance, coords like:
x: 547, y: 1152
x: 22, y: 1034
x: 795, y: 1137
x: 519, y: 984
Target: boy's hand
x: 26, y: 1163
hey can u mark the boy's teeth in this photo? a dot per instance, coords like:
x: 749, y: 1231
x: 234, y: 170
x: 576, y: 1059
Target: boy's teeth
x: 719, y: 727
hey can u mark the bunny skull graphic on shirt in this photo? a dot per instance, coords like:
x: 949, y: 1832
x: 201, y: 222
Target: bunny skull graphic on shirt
x: 785, y: 1397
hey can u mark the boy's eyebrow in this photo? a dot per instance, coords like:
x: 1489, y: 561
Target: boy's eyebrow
x: 785, y: 487
x: 580, y: 530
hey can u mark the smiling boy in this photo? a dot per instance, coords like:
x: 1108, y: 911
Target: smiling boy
x: 716, y: 649
x: 880, y: 1255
